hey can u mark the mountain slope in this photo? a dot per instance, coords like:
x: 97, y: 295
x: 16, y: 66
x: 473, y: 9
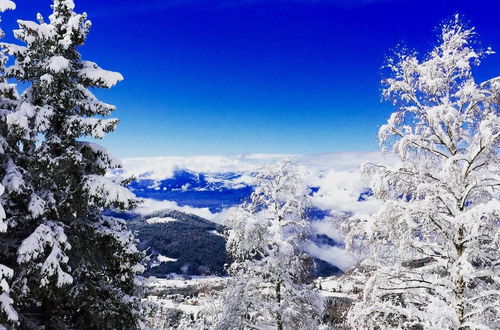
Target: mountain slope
x: 181, y: 243
x: 187, y: 244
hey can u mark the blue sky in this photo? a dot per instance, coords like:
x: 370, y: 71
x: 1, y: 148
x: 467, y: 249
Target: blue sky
x: 256, y: 76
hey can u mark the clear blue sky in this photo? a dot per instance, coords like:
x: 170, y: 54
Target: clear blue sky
x: 256, y: 76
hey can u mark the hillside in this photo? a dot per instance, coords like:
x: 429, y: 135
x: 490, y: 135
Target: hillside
x: 181, y: 243
x: 187, y: 244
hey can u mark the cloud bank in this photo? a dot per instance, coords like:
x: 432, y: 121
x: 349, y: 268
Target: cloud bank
x: 337, y: 175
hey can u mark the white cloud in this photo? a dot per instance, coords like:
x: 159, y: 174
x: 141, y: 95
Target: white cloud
x: 160, y: 168
x: 333, y: 255
x: 336, y: 174
x: 150, y: 205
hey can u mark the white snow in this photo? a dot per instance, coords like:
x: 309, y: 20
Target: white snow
x: 150, y: 205
x: 47, y: 78
x: 58, y: 64
x: 93, y: 72
x: 181, y: 282
x: 104, y: 189
x: 216, y: 233
x: 160, y: 259
x: 47, y: 236
x: 13, y: 179
x: 7, y: 5
x: 160, y: 220
x: 3, y: 225
x: 36, y: 205
x: 163, y: 259
x: 44, y: 30
x: 6, y: 301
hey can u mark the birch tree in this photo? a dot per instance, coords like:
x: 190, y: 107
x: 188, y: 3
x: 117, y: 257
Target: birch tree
x: 435, y: 244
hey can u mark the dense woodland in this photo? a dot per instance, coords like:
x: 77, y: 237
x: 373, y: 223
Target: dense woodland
x: 428, y: 259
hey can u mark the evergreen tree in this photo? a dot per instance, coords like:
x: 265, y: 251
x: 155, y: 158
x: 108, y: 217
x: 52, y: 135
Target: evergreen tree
x: 434, y: 246
x: 73, y: 267
x: 270, y: 288
x: 8, y: 180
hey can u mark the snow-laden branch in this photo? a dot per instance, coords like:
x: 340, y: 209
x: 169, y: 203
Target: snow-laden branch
x: 49, y: 236
x: 106, y: 193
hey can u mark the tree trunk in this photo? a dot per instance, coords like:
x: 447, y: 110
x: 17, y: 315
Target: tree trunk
x: 46, y: 313
x: 459, y: 281
x: 279, y: 321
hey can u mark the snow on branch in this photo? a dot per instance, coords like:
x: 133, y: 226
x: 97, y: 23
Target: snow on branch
x: 3, y: 225
x: 47, y: 236
x: 6, y: 302
x: 27, y: 118
x: 117, y: 230
x: 13, y: 179
x: 94, y: 127
x: 29, y: 31
x: 36, y: 206
x: 58, y: 64
x: 99, y: 77
x: 104, y: 192
x: 7, y: 5
x: 103, y: 158
x: 91, y: 105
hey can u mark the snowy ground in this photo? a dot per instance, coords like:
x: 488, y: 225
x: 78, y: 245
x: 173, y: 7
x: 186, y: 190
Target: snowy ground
x: 179, y: 297
x: 179, y: 281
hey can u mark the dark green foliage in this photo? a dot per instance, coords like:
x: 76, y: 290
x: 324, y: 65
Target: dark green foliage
x: 195, y: 242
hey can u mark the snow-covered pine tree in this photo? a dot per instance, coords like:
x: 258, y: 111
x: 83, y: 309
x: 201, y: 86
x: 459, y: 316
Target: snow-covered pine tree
x: 74, y: 268
x: 435, y: 244
x: 8, y: 96
x: 266, y: 237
